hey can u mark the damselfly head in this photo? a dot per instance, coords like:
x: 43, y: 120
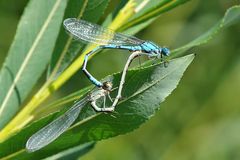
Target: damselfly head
x: 165, y: 51
x: 107, y: 86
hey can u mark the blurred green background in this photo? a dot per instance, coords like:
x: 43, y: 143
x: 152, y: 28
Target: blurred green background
x: 200, y: 119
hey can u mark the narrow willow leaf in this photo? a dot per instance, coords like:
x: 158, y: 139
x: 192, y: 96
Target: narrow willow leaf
x: 29, y: 53
x: 147, y: 13
x: 144, y: 90
x: 73, y: 153
x: 66, y: 49
x: 232, y: 16
x: 150, y: 12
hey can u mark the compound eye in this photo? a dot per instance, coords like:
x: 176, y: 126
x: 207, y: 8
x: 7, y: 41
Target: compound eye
x: 166, y: 51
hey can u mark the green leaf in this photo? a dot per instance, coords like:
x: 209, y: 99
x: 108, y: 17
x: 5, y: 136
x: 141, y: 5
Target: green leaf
x: 146, y: 14
x: 29, y: 54
x: 66, y: 49
x: 231, y: 17
x: 144, y: 90
x: 73, y: 153
x: 150, y: 12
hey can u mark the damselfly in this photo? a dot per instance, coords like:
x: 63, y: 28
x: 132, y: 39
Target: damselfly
x: 108, y: 39
x: 49, y: 133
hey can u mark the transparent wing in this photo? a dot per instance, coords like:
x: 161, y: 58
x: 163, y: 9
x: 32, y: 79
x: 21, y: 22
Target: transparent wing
x: 53, y: 130
x: 89, y: 32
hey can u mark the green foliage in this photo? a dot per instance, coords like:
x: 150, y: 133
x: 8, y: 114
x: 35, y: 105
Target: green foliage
x: 66, y: 49
x: 138, y: 106
x: 40, y: 40
x: 231, y: 17
x: 151, y: 12
x: 29, y: 54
